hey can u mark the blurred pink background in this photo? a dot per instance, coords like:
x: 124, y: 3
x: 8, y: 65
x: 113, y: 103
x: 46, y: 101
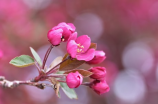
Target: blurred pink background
x: 127, y: 30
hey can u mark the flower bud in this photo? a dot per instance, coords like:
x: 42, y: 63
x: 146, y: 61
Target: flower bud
x: 54, y: 36
x: 98, y: 58
x: 98, y: 72
x: 100, y: 86
x: 74, y: 80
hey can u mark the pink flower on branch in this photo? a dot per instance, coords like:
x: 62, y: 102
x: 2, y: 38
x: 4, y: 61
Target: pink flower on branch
x: 74, y: 80
x: 98, y: 72
x: 60, y: 33
x: 98, y: 58
x: 79, y: 48
x: 100, y: 87
x: 55, y: 36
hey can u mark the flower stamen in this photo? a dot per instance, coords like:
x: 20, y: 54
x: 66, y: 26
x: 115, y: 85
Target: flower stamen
x: 80, y: 48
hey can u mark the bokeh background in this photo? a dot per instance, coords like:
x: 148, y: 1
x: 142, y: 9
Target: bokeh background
x: 127, y: 30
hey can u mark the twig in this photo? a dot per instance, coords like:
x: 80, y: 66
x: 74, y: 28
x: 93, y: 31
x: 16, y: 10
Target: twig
x: 12, y: 84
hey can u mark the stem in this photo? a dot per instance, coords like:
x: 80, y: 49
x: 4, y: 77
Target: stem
x: 37, y: 66
x: 57, y: 75
x: 61, y: 81
x: 86, y: 83
x: 46, y: 56
x: 52, y: 70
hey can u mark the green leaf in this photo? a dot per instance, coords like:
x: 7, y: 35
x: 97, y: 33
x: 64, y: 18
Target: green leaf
x: 69, y: 92
x: 83, y: 72
x: 22, y: 61
x: 70, y: 64
x: 36, y: 56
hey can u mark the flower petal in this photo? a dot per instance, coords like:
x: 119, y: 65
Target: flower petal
x: 72, y: 27
x: 67, y: 30
x: 98, y: 58
x: 73, y: 36
x: 85, y: 41
x: 74, y: 80
x: 87, y: 56
x: 72, y: 48
x: 54, y: 36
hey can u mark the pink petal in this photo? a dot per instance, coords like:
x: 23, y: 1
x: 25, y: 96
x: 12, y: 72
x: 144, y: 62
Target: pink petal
x: 72, y: 27
x: 59, y: 26
x: 72, y: 48
x: 85, y: 41
x: 54, y: 36
x: 98, y: 58
x: 73, y: 36
x: 74, y: 80
x: 89, y: 55
x: 99, y: 53
x: 66, y: 33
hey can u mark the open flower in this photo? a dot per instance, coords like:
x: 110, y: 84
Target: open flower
x: 79, y: 48
x: 100, y: 86
x: 98, y: 58
x: 60, y: 33
x: 74, y: 80
x: 98, y: 72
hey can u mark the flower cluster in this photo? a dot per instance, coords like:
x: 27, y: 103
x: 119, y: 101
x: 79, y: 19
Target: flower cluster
x: 79, y: 48
x: 63, y: 72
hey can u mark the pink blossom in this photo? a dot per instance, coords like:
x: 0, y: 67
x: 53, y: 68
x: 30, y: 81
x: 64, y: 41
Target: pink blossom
x: 98, y: 58
x: 100, y: 87
x: 61, y: 32
x: 79, y: 48
x: 73, y: 36
x: 55, y: 36
x: 74, y: 80
x: 98, y: 72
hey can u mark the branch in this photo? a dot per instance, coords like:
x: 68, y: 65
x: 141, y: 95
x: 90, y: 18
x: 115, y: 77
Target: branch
x: 12, y: 84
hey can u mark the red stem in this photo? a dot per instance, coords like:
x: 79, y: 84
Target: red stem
x: 52, y: 70
x: 46, y: 56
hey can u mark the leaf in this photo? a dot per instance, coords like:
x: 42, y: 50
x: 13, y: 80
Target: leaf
x: 83, y: 72
x: 56, y: 88
x: 59, y: 95
x: 36, y: 56
x: 56, y: 85
x: 55, y: 62
x: 70, y: 64
x: 93, y: 45
x: 69, y: 92
x: 22, y: 61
